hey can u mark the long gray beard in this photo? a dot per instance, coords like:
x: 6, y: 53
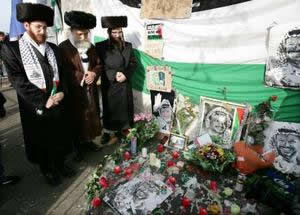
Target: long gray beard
x: 82, y: 46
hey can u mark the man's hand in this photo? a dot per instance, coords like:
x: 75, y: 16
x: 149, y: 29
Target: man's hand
x: 89, y: 77
x: 54, y: 100
x: 58, y: 97
x: 120, y: 77
x: 50, y: 102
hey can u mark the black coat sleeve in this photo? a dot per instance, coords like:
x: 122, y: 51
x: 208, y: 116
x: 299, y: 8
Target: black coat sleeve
x: 131, y: 65
x: 101, y: 48
x: 33, y: 97
x: 62, y: 70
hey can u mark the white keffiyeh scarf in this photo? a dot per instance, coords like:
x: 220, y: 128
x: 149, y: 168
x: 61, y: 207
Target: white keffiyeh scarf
x: 32, y: 66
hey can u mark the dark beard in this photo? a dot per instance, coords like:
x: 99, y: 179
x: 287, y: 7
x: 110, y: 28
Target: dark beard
x: 118, y: 43
x: 39, y: 39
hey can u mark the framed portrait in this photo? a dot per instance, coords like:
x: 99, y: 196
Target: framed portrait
x: 284, y: 139
x: 223, y: 121
x: 159, y: 78
x: 163, y: 107
x: 282, y: 68
x: 177, y: 141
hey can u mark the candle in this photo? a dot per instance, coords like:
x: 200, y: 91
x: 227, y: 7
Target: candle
x: 157, y: 163
x: 144, y: 152
x: 152, y: 159
x: 133, y: 146
x: 213, y: 186
x: 117, y: 169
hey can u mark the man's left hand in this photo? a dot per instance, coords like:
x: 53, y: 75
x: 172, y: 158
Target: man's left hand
x: 120, y: 77
x: 57, y: 97
x: 89, y: 77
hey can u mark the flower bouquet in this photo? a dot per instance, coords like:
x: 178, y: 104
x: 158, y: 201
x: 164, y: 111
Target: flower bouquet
x: 262, y: 114
x: 145, y: 127
x: 211, y: 157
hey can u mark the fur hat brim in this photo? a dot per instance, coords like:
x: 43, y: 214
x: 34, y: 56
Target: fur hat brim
x: 114, y: 21
x: 28, y: 12
x: 80, y: 20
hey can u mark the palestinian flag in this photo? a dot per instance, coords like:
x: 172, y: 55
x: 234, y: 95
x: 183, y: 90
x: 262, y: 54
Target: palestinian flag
x: 213, y: 50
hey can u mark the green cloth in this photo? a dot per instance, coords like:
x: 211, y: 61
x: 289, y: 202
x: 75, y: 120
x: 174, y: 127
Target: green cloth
x: 242, y: 83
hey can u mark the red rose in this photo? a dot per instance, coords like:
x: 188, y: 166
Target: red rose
x: 103, y: 182
x: 171, y: 180
x: 185, y: 202
x: 96, y: 202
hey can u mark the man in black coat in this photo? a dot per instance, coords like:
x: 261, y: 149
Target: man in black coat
x: 119, y: 62
x: 35, y: 71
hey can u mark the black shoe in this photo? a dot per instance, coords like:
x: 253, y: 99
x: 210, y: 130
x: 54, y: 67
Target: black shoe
x: 2, y: 112
x: 66, y: 171
x: 52, y: 178
x: 10, y: 180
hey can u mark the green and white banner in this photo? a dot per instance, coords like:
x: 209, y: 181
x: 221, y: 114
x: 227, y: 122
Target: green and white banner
x: 218, y: 53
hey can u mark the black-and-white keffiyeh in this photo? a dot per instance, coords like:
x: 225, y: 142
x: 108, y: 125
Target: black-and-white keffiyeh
x: 32, y: 66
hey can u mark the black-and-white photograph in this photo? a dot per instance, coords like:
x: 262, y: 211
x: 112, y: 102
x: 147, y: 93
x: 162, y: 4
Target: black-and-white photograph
x: 138, y: 196
x: 284, y: 139
x: 163, y: 109
x: 283, y: 64
x: 217, y: 119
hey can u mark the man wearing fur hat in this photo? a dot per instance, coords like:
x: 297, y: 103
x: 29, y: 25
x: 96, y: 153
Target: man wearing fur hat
x: 83, y: 67
x: 35, y: 71
x: 119, y: 65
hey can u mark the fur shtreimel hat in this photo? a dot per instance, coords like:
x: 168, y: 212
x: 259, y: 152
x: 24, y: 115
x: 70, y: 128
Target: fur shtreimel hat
x: 80, y: 20
x: 114, y: 21
x: 28, y: 12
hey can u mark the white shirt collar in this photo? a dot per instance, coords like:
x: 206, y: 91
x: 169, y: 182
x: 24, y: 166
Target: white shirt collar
x: 41, y: 48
